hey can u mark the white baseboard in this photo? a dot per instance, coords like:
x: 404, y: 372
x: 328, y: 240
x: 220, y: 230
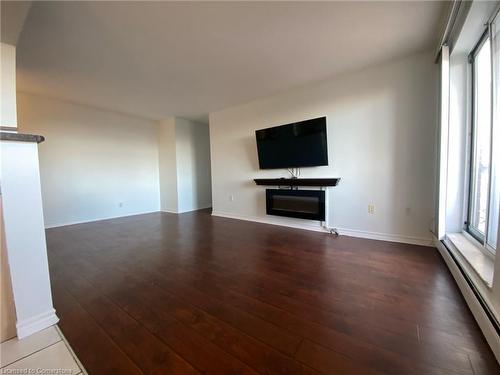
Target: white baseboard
x: 185, y: 211
x: 342, y: 231
x: 422, y: 241
x: 274, y: 221
x: 475, y: 307
x: 48, y: 226
x: 35, y: 324
x: 314, y: 226
x: 196, y: 209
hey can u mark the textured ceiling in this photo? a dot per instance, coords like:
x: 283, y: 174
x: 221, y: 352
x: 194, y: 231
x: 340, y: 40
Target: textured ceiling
x: 158, y: 59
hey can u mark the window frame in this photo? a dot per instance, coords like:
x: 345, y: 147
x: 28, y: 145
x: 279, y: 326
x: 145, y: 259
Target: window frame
x: 470, y: 230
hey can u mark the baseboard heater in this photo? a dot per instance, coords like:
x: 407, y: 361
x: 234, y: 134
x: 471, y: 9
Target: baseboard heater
x: 302, y: 204
x: 491, y: 317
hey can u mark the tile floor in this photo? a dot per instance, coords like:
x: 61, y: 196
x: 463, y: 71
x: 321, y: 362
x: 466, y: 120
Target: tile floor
x: 44, y: 352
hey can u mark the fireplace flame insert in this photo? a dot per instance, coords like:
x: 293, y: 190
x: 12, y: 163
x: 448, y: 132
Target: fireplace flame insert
x: 302, y: 204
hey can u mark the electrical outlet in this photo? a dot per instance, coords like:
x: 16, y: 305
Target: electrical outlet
x: 120, y: 204
x: 371, y: 209
x: 231, y: 198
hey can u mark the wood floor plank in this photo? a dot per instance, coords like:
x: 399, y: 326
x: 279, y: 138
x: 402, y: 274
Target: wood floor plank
x: 152, y: 357
x: 328, y: 361
x: 195, y: 348
x: 149, y: 353
x: 246, y: 322
x: 242, y: 347
x: 163, y: 293
x: 341, y: 343
x: 366, y: 347
x: 256, y: 354
x: 98, y: 353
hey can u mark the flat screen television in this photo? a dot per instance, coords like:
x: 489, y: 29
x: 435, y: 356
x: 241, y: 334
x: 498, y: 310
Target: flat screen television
x: 299, y: 144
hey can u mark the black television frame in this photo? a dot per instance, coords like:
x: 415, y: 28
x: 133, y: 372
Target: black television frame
x: 303, y: 123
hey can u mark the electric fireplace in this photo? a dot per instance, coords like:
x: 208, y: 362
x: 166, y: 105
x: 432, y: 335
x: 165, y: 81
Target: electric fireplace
x: 302, y: 204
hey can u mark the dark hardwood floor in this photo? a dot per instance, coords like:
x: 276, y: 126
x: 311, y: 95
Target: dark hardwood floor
x: 163, y: 293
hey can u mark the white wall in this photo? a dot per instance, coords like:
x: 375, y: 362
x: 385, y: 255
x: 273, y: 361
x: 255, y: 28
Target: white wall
x: 92, y: 160
x: 185, y: 181
x: 381, y: 135
x: 8, y: 116
x: 193, y: 165
x: 168, y: 165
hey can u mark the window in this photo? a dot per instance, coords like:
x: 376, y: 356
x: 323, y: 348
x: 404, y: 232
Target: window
x: 481, y: 138
x: 484, y: 177
x: 495, y: 171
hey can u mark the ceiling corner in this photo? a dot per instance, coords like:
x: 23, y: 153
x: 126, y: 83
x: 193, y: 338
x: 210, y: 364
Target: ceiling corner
x: 13, y: 16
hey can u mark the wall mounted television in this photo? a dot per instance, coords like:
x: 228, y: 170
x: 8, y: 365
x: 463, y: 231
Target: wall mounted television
x: 299, y: 144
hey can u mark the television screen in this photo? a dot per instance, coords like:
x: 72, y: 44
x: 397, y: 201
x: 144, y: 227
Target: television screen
x: 299, y: 144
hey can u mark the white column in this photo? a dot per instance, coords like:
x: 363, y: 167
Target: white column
x: 25, y: 236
